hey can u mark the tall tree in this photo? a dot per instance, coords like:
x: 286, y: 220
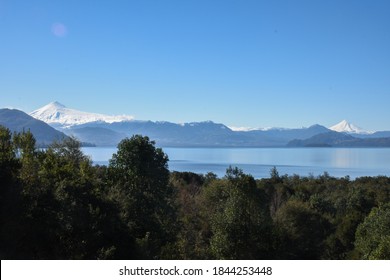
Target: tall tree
x: 140, y: 184
x: 8, y: 161
x: 25, y: 146
x: 10, y: 198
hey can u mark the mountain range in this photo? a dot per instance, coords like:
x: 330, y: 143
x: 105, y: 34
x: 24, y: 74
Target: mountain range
x: 102, y: 131
x: 56, y: 120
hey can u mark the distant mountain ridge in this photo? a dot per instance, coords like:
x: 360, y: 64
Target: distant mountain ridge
x: 339, y: 139
x: 200, y: 134
x: 103, y: 130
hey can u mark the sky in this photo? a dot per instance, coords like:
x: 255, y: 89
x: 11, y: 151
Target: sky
x: 244, y: 63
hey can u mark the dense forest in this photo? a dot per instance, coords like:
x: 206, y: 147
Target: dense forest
x: 55, y: 204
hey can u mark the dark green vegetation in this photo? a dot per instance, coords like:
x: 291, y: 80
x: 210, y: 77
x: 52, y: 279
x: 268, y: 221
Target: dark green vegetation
x: 56, y: 205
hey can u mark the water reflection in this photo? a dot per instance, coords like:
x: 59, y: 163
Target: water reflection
x: 258, y: 161
x: 344, y: 158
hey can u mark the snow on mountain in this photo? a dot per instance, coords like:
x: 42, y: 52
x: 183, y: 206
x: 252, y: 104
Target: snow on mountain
x: 248, y: 128
x: 345, y: 126
x: 241, y: 128
x: 56, y: 113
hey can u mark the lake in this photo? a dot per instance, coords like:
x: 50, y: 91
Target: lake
x: 338, y: 162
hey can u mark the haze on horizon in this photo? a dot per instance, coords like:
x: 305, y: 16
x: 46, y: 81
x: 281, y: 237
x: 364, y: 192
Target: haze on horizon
x: 241, y: 63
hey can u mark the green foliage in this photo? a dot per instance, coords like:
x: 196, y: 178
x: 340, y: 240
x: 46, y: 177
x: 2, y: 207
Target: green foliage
x: 25, y: 146
x: 373, y: 235
x: 140, y: 185
x: 8, y: 161
x: 58, y: 209
x: 6, y: 149
x: 10, y: 195
x: 303, y: 230
x: 240, y: 225
x: 56, y: 205
x: 274, y: 174
x: 192, y: 238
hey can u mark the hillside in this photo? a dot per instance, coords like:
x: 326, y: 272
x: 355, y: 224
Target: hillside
x: 18, y: 121
x: 338, y: 139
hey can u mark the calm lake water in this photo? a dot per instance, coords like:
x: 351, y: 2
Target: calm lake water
x: 338, y: 162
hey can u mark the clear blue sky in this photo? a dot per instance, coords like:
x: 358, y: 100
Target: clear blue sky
x: 240, y: 62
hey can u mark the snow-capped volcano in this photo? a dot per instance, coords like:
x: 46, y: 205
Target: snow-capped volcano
x: 57, y: 114
x: 345, y: 126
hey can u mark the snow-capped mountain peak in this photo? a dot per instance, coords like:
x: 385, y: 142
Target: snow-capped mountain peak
x: 55, y: 113
x: 56, y: 104
x: 345, y: 126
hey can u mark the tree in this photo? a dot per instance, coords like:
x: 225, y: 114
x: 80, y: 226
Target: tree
x: 373, y: 234
x: 66, y: 215
x: 274, y: 174
x: 25, y: 146
x: 190, y: 243
x: 240, y: 224
x: 8, y: 161
x: 303, y: 229
x: 10, y: 194
x: 140, y: 185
